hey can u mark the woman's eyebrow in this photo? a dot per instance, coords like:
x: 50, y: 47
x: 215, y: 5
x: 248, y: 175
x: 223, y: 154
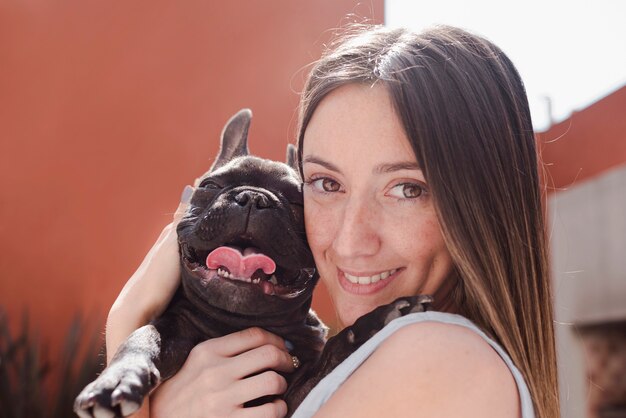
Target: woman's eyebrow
x: 379, y: 169
x: 316, y: 160
x: 391, y: 167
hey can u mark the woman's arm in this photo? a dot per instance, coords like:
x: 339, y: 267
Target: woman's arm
x: 429, y: 370
x: 146, y: 294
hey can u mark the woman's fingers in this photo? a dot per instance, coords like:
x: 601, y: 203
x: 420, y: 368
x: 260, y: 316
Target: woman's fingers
x: 244, y: 353
x: 274, y: 409
x: 263, y: 358
x: 253, y: 387
x: 222, y: 374
x: 242, y: 341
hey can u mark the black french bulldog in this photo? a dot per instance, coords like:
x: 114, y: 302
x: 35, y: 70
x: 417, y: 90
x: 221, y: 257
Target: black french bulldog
x: 245, y: 263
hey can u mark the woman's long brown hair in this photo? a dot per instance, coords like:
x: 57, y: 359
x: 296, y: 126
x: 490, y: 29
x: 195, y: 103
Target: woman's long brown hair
x: 464, y: 109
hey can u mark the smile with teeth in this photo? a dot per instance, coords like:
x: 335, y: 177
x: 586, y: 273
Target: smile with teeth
x: 369, y: 279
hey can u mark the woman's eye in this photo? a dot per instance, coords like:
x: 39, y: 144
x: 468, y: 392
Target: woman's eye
x: 407, y: 191
x: 326, y: 184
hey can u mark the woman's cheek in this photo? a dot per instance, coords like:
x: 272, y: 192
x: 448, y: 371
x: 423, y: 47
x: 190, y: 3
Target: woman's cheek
x: 314, y: 221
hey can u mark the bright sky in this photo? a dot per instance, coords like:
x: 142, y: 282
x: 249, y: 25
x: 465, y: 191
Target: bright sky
x: 573, y: 51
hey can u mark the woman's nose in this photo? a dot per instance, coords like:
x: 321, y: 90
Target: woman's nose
x: 357, y: 234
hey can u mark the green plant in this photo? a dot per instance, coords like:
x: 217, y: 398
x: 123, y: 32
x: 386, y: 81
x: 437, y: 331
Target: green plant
x: 34, y: 386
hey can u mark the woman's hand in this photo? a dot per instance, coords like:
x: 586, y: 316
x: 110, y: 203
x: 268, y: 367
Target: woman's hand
x: 221, y: 374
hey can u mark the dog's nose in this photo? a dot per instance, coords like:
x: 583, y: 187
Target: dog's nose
x: 249, y: 197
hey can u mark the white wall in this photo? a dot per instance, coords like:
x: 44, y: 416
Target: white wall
x: 588, y: 245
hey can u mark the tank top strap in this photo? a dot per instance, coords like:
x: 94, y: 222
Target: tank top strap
x: 327, y: 386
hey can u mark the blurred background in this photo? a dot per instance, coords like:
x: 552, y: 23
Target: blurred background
x: 108, y: 109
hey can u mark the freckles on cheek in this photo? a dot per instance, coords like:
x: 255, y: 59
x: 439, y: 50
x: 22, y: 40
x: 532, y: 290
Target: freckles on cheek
x: 426, y: 239
x: 316, y: 226
x: 321, y: 232
x: 438, y: 251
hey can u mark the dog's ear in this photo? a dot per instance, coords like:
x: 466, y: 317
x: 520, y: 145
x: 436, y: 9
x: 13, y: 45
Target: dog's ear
x: 292, y: 156
x: 234, y: 142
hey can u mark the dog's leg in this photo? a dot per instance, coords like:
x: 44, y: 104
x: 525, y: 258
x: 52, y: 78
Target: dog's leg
x: 131, y: 375
x: 147, y: 357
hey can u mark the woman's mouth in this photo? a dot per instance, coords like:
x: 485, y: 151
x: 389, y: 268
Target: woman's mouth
x: 365, y: 284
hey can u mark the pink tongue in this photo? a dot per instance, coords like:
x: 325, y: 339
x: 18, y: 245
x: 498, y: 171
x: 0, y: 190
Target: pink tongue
x: 238, y: 265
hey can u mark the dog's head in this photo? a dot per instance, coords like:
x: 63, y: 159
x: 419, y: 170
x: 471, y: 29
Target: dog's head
x: 242, y: 241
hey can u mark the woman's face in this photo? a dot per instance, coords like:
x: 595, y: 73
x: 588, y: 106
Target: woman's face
x: 369, y: 214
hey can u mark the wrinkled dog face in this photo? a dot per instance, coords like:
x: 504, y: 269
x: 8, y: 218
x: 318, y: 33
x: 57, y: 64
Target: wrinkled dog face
x: 242, y: 241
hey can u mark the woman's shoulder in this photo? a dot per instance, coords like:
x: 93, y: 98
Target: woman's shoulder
x: 429, y: 369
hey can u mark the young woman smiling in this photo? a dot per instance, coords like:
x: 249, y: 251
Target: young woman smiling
x: 420, y: 177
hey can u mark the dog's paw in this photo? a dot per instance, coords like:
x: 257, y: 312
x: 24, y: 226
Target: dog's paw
x: 404, y: 306
x: 369, y: 324
x: 118, y: 391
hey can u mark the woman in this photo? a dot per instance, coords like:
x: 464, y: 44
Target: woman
x: 420, y: 177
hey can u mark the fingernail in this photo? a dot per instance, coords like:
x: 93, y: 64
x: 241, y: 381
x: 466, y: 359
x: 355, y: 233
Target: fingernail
x: 186, y: 195
x: 289, y: 345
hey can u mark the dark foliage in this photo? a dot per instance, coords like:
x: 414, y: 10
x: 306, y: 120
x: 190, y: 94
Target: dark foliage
x: 34, y: 386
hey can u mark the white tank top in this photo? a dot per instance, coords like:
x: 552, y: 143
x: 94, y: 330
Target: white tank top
x: 327, y: 386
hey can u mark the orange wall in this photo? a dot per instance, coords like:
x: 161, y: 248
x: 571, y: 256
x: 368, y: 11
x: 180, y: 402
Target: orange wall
x: 107, y: 109
x: 587, y: 143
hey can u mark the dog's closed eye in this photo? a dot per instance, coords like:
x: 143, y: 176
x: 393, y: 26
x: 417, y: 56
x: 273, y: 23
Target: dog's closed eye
x: 210, y: 184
